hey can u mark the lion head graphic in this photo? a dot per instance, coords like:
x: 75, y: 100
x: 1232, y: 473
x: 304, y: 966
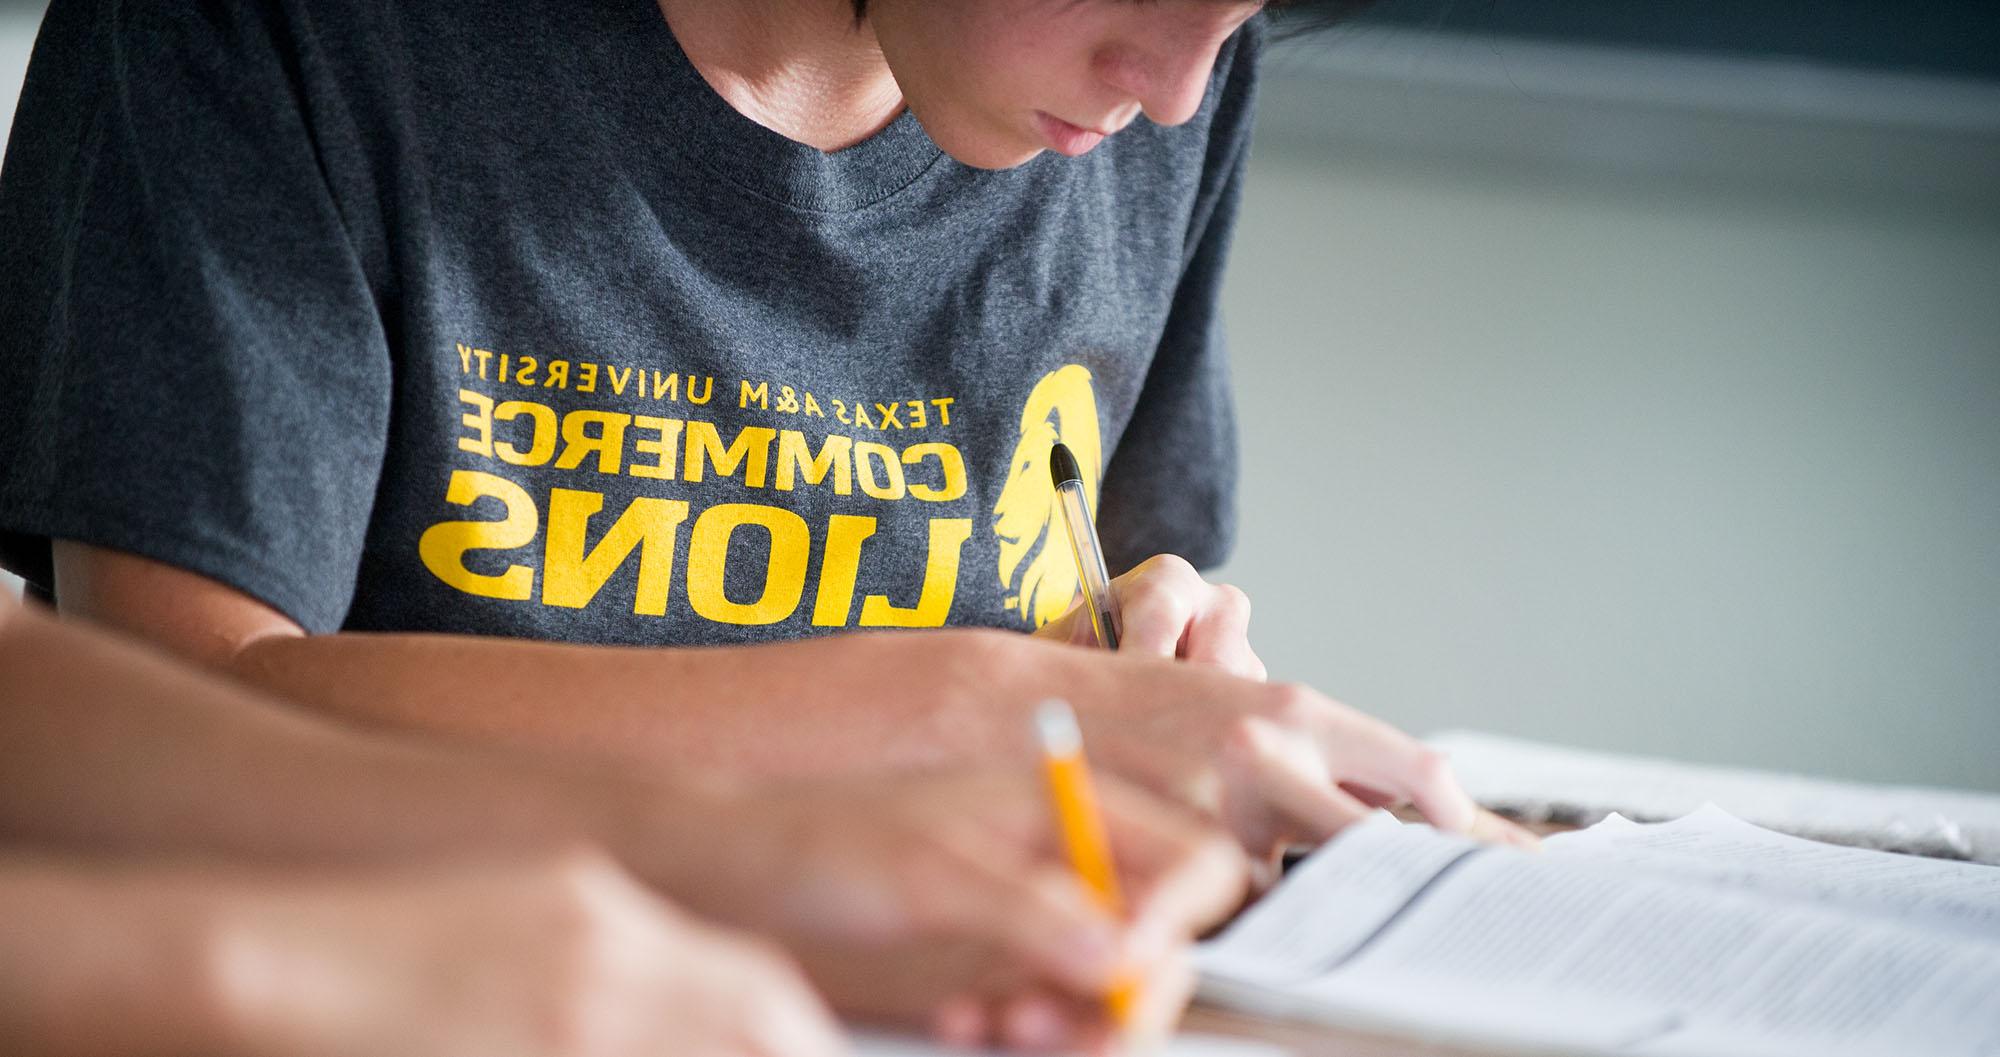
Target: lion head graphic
x: 1037, y: 570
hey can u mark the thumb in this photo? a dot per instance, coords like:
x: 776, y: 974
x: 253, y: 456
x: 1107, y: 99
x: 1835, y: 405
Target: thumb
x: 1042, y: 917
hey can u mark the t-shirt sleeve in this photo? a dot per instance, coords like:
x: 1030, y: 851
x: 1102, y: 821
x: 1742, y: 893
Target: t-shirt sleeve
x: 193, y: 366
x: 1170, y: 487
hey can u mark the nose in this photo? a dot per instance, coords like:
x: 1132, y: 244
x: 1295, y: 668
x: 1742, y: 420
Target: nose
x: 1168, y: 76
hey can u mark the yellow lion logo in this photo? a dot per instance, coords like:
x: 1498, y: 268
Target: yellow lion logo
x: 1037, y: 569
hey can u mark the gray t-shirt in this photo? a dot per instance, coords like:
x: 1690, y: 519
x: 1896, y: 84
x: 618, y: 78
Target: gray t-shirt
x: 495, y: 318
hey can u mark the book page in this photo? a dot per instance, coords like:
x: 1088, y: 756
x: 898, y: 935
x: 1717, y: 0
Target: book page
x: 868, y: 1044
x: 1333, y: 901
x: 1743, y: 970
x: 1713, y: 846
x: 1710, y: 938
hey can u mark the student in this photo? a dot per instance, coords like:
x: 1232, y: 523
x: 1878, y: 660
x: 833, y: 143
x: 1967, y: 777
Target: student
x: 355, y: 342
x: 297, y: 850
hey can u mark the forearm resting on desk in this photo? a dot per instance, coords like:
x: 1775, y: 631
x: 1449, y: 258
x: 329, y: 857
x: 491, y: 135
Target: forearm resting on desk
x: 1276, y: 762
x: 94, y: 964
x: 107, y: 747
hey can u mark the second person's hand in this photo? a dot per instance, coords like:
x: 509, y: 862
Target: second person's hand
x: 944, y: 901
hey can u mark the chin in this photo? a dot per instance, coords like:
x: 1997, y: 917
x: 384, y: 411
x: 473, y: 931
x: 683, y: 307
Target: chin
x: 983, y: 150
x: 995, y: 158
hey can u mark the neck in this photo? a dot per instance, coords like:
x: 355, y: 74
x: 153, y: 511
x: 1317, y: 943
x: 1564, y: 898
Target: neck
x: 801, y: 68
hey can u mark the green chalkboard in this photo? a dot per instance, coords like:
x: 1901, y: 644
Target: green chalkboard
x: 1942, y: 37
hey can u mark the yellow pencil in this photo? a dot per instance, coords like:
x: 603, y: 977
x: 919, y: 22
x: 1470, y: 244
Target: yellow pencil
x: 1082, y: 825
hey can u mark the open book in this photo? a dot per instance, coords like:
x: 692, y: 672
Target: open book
x: 876, y: 1045
x: 1702, y: 936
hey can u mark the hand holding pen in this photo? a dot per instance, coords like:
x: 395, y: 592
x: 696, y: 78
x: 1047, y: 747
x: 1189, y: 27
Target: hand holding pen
x: 1311, y: 764
x: 1161, y: 608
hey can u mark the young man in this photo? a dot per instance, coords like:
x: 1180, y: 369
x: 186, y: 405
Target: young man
x: 258, y: 880
x: 359, y: 341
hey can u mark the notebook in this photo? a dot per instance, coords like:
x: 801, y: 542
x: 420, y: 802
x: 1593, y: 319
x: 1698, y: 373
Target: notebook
x: 1706, y: 935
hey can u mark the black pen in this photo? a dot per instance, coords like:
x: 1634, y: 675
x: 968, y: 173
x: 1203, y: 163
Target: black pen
x: 1083, y: 543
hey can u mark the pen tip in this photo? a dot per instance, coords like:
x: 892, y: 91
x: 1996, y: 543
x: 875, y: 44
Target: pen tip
x: 1062, y: 465
x: 1055, y: 724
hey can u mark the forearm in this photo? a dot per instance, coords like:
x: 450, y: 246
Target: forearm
x: 99, y: 960
x: 106, y: 747
x: 846, y: 702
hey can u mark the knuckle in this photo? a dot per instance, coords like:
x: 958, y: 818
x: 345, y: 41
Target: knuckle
x: 1243, y: 736
x: 1150, y: 591
x: 1296, y: 705
x: 1232, y: 600
x: 1175, y: 568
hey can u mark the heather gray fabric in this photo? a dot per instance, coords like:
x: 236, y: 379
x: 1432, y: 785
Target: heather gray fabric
x: 405, y: 314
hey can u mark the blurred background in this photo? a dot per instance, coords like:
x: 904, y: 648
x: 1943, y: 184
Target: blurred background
x: 1626, y: 375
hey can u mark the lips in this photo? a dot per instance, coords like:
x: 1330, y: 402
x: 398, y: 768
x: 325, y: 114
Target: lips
x: 1065, y: 138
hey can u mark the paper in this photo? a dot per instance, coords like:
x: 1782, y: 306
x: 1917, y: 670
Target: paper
x: 875, y: 1045
x: 1551, y: 783
x: 1703, y: 936
x: 1954, y: 897
x: 1356, y: 886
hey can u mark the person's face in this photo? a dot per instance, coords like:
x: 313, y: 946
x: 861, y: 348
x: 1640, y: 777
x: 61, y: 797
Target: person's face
x: 996, y: 82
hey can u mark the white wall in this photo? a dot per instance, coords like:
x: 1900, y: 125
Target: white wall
x: 1635, y: 457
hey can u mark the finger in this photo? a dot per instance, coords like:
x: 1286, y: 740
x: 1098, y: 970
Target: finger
x: 1309, y: 808
x: 1036, y: 1023
x: 1493, y: 829
x: 1180, y: 873
x: 1156, y: 602
x: 1073, y: 626
x: 1219, y: 633
x: 959, y: 1023
x: 1361, y: 748
x: 1159, y: 1004
x: 1042, y: 917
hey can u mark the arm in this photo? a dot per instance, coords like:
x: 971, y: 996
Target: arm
x: 1278, y: 762
x: 163, y: 759
x: 111, y: 749
x: 563, y: 955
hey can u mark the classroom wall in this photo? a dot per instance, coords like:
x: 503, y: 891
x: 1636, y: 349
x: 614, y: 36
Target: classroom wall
x: 1639, y: 417
x: 1676, y: 431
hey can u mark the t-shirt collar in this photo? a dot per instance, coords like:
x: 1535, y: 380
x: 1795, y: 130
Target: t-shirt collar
x: 738, y: 149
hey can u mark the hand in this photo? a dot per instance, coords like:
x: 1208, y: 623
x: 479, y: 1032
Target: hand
x: 1278, y: 764
x: 945, y: 899
x: 1167, y: 610
x: 568, y: 958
